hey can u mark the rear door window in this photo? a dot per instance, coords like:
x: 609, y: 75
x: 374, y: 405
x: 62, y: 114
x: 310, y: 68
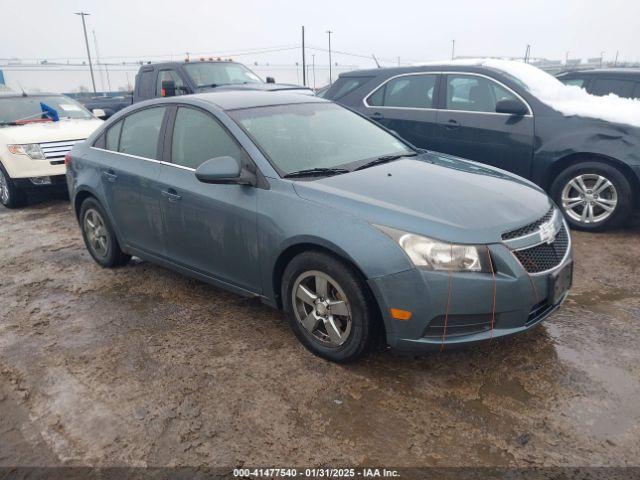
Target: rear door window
x: 140, y: 133
x: 198, y: 137
x: 407, y: 91
x: 146, y: 88
x: 605, y: 86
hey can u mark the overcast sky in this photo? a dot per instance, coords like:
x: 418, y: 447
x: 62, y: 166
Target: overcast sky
x: 413, y: 30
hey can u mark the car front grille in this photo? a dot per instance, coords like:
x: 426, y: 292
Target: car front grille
x: 52, y: 150
x: 545, y: 256
x: 457, y: 325
x: 527, y: 229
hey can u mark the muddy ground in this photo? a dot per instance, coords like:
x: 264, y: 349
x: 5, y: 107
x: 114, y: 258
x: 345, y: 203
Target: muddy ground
x: 142, y: 366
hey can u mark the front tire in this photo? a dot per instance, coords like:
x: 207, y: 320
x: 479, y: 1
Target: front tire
x: 328, y: 306
x: 11, y: 196
x: 593, y: 196
x: 99, y: 236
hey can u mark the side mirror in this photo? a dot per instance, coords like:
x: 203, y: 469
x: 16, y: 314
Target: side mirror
x: 512, y: 107
x: 224, y: 170
x: 168, y: 88
x: 271, y: 80
x: 99, y: 113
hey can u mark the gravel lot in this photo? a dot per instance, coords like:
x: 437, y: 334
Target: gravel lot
x: 142, y: 366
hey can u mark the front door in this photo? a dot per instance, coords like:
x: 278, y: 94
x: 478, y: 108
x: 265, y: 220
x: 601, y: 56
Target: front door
x: 469, y: 127
x: 211, y: 227
x: 130, y: 171
x: 405, y: 104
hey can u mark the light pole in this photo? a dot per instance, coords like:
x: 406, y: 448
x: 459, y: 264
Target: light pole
x: 86, y: 41
x: 453, y: 49
x: 329, y: 32
x: 313, y: 68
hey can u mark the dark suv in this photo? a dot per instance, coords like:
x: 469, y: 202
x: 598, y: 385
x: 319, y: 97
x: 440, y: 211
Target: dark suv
x: 495, y: 115
x: 623, y: 82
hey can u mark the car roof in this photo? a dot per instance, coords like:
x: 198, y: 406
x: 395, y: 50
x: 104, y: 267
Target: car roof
x: 237, y: 99
x: 182, y: 62
x: 605, y: 71
x: 427, y: 67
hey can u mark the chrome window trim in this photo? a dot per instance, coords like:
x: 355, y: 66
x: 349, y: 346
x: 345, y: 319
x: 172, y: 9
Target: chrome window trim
x: 509, y: 89
x: 366, y: 97
x: 145, y: 158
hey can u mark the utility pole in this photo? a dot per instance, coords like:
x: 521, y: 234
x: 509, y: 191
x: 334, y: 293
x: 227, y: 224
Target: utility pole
x: 95, y: 45
x: 527, y: 53
x: 86, y: 41
x: 398, y: 61
x: 615, y: 62
x: 453, y: 49
x: 313, y: 68
x: 304, y: 63
x: 566, y: 58
x: 601, y: 58
x: 329, y: 32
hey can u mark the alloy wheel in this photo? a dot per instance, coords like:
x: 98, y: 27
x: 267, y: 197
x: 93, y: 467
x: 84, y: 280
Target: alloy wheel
x: 96, y: 232
x: 4, y: 188
x: 322, y: 308
x: 589, y: 198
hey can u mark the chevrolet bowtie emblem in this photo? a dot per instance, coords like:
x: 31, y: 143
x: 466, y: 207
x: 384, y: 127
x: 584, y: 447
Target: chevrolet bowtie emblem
x: 547, y: 232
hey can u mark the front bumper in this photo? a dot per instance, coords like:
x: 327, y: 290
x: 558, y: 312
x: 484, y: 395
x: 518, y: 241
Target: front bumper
x: 21, y: 166
x: 458, y: 309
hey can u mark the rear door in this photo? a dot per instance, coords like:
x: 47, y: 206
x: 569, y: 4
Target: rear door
x: 130, y: 174
x: 469, y: 127
x: 406, y: 105
x: 211, y: 228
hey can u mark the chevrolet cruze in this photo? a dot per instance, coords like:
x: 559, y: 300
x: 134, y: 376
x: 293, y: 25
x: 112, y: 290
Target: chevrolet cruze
x: 354, y: 233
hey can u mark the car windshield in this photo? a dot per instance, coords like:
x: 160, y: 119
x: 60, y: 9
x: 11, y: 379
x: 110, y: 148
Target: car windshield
x: 316, y: 136
x: 30, y: 108
x: 207, y: 74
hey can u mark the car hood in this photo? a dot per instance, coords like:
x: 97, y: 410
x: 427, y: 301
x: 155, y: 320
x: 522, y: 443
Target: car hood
x: 434, y: 195
x: 50, y: 131
x: 263, y: 87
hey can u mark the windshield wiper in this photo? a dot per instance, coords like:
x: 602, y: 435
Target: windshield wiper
x: 316, y: 171
x: 385, y: 159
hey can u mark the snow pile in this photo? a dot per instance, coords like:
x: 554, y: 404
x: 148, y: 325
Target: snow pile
x: 567, y: 99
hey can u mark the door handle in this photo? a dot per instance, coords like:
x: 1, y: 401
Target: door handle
x: 452, y: 124
x: 109, y: 175
x: 171, y: 195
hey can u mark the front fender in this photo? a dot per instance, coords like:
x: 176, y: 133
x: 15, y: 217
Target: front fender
x: 286, y: 220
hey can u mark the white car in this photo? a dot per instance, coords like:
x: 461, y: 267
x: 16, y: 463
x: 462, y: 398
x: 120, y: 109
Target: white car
x: 36, y: 132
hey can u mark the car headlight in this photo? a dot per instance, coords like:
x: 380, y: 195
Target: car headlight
x: 433, y: 254
x: 32, y: 150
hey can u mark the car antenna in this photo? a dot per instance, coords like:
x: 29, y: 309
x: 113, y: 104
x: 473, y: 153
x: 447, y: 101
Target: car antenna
x: 24, y: 94
x: 375, y: 60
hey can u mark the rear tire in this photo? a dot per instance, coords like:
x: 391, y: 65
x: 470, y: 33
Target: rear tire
x: 99, y: 236
x: 11, y: 196
x: 593, y: 196
x: 341, y: 317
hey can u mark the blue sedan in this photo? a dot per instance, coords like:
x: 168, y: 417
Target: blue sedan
x: 355, y: 234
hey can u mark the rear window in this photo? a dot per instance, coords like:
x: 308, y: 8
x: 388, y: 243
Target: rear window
x: 578, y: 82
x: 345, y: 85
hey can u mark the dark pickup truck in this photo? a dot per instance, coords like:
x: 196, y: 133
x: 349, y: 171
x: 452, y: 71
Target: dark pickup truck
x: 181, y: 78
